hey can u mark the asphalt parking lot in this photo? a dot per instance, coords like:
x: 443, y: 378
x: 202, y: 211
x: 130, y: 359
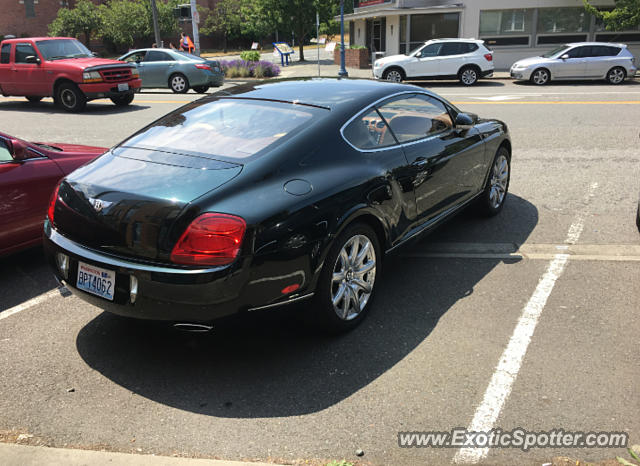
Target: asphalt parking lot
x: 529, y: 319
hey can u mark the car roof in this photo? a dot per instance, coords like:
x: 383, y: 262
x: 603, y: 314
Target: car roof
x: 447, y: 39
x: 610, y: 44
x: 22, y: 39
x: 332, y: 93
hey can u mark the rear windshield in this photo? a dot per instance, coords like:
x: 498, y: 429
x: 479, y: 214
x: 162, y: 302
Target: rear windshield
x: 228, y: 128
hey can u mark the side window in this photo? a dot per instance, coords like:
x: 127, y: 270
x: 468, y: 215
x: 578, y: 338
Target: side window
x: 369, y: 131
x: 23, y: 51
x: 431, y: 50
x: 157, y: 55
x: 416, y: 117
x: 472, y: 47
x: 135, y: 57
x: 5, y: 155
x: 578, y: 52
x: 5, y: 54
x: 452, y: 48
x: 608, y: 51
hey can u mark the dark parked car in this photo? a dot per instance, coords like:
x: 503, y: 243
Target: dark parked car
x: 270, y: 194
x: 29, y: 171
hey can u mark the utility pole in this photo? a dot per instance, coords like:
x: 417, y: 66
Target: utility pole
x: 318, y: 39
x: 156, y: 28
x: 194, y: 23
x: 343, y: 72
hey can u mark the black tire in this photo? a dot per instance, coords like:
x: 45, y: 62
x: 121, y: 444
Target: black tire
x: 178, y: 83
x: 540, y: 77
x: 201, y: 89
x: 469, y: 75
x: 122, y: 100
x: 34, y: 99
x: 616, y: 75
x: 394, y: 74
x: 487, y: 204
x: 70, y: 97
x: 324, y: 311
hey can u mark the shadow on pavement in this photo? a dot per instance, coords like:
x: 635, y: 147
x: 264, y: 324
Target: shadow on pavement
x: 599, y: 82
x: 486, y: 83
x: 269, y: 365
x: 23, y: 276
x: 93, y: 108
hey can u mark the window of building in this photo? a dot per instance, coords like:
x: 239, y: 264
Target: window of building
x: 5, y: 54
x: 403, y: 34
x: 563, y: 20
x: 499, y: 22
x: 433, y: 26
x: 29, y: 8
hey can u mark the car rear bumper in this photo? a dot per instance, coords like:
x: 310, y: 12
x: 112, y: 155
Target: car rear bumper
x: 161, y: 292
x: 100, y: 90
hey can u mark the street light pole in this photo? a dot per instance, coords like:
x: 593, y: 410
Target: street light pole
x: 343, y: 72
x: 156, y: 28
x: 195, y: 18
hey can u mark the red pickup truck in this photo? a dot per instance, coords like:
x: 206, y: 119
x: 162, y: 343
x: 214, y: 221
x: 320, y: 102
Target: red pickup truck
x: 63, y: 68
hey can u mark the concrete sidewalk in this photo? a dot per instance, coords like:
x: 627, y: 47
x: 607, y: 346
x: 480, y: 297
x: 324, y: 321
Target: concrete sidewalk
x: 21, y: 455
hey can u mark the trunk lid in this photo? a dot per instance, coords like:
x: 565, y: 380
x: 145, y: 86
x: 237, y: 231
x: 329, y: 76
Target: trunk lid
x: 135, y: 202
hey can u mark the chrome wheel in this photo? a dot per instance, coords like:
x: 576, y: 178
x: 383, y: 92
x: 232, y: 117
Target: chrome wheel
x: 499, y: 181
x: 354, y: 275
x: 178, y: 83
x: 68, y: 98
x: 469, y: 76
x: 394, y: 76
x: 540, y: 77
x: 616, y: 76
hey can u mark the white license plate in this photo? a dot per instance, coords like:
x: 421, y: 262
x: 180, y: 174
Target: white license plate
x: 123, y: 86
x: 96, y: 280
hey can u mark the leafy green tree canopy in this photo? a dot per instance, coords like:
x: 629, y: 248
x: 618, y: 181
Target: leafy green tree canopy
x: 625, y: 15
x: 85, y: 18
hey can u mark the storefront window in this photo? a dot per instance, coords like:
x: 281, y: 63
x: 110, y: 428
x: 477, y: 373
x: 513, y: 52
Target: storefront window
x: 562, y: 20
x: 499, y: 22
x: 435, y: 26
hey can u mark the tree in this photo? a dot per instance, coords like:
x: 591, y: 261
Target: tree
x: 299, y: 16
x: 84, y: 18
x: 124, y: 22
x: 625, y: 14
x: 226, y: 19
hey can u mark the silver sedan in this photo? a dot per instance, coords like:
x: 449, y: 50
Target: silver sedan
x: 179, y: 71
x: 581, y: 60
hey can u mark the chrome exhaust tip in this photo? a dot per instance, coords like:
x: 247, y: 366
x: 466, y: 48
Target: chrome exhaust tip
x: 193, y: 328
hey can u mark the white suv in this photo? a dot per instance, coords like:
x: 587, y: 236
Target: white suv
x: 465, y: 59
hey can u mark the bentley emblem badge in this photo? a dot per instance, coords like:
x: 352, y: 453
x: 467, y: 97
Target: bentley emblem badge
x: 99, y: 205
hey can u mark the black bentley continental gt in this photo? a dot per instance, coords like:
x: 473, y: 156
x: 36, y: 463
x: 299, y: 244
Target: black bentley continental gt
x: 270, y: 194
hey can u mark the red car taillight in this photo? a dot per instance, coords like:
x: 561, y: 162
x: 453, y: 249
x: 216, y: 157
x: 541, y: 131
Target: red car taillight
x: 211, y: 239
x: 52, y: 203
x: 203, y: 67
x: 488, y: 56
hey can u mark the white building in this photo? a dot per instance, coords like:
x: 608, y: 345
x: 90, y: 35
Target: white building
x: 513, y: 29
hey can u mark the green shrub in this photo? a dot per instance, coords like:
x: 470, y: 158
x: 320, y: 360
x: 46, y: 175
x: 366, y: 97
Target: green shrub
x: 250, y: 55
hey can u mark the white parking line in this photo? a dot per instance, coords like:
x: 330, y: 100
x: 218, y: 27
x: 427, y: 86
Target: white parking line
x: 511, y: 360
x: 29, y: 304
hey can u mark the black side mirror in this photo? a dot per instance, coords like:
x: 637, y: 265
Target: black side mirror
x: 464, y: 121
x: 32, y: 59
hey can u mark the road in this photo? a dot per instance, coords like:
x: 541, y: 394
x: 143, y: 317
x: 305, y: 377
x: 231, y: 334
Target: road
x: 529, y: 319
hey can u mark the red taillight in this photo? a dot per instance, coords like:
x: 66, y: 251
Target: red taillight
x: 488, y: 56
x: 52, y: 203
x: 211, y: 239
x: 203, y: 67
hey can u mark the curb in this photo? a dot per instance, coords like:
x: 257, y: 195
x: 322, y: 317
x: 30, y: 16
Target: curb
x: 22, y: 455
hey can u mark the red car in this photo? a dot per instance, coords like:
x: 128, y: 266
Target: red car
x: 63, y: 68
x: 28, y: 173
